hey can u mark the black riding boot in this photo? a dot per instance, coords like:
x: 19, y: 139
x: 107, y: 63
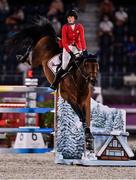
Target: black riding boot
x: 57, y: 79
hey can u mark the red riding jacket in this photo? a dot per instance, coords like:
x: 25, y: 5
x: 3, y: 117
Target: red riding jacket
x: 73, y: 37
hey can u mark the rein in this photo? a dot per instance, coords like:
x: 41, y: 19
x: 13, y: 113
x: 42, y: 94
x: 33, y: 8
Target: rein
x: 82, y: 74
x: 86, y: 77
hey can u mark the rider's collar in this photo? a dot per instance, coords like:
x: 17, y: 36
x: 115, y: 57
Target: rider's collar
x: 71, y: 23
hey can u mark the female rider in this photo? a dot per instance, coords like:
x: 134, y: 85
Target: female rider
x: 73, y: 42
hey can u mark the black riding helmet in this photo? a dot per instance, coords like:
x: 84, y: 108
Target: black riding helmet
x: 72, y: 13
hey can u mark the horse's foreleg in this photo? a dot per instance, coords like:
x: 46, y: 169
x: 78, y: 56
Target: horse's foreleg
x: 77, y: 110
x: 83, y: 112
x: 87, y: 107
x: 88, y: 135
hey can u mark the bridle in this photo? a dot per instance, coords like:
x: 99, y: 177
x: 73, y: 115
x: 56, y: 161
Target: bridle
x: 88, y: 77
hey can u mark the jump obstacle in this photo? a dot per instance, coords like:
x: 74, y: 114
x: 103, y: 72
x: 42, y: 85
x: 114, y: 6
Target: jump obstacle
x: 27, y: 130
x: 25, y: 110
x: 108, y: 126
x: 32, y: 140
x: 25, y: 89
x: 69, y: 140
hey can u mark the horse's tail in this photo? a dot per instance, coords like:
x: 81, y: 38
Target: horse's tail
x: 29, y: 36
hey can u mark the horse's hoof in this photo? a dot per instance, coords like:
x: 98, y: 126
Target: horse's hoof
x: 89, y: 156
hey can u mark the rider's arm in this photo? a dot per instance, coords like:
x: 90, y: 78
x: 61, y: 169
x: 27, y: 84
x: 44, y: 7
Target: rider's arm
x: 64, y: 38
x: 82, y: 37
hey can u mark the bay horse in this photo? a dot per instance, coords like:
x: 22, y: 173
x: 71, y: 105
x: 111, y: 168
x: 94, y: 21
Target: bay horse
x: 76, y: 87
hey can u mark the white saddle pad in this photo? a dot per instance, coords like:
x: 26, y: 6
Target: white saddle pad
x: 53, y: 63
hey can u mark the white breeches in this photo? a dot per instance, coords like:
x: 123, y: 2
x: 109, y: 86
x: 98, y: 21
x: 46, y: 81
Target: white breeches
x: 66, y: 56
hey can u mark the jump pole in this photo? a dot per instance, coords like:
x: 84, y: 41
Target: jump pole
x: 29, y: 142
x: 29, y: 138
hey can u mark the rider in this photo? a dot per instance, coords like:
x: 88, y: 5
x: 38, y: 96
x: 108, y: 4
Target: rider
x: 73, y: 42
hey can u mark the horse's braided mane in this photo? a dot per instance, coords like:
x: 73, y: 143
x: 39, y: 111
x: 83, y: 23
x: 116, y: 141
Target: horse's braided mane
x: 30, y: 35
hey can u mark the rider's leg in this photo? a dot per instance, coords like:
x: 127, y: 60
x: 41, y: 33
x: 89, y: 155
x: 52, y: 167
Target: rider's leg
x: 65, y: 59
x: 68, y: 65
x: 65, y: 66
x: 61, y: 71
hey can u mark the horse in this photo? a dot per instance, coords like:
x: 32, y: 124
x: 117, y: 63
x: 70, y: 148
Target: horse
x: 76, y: 86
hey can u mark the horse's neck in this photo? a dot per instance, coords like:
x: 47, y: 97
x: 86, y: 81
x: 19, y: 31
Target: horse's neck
x: 79, y: 79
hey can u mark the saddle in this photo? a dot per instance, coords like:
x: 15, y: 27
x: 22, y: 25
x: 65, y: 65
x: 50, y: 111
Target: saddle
x: 55, y: 64
x: 75, y: 63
